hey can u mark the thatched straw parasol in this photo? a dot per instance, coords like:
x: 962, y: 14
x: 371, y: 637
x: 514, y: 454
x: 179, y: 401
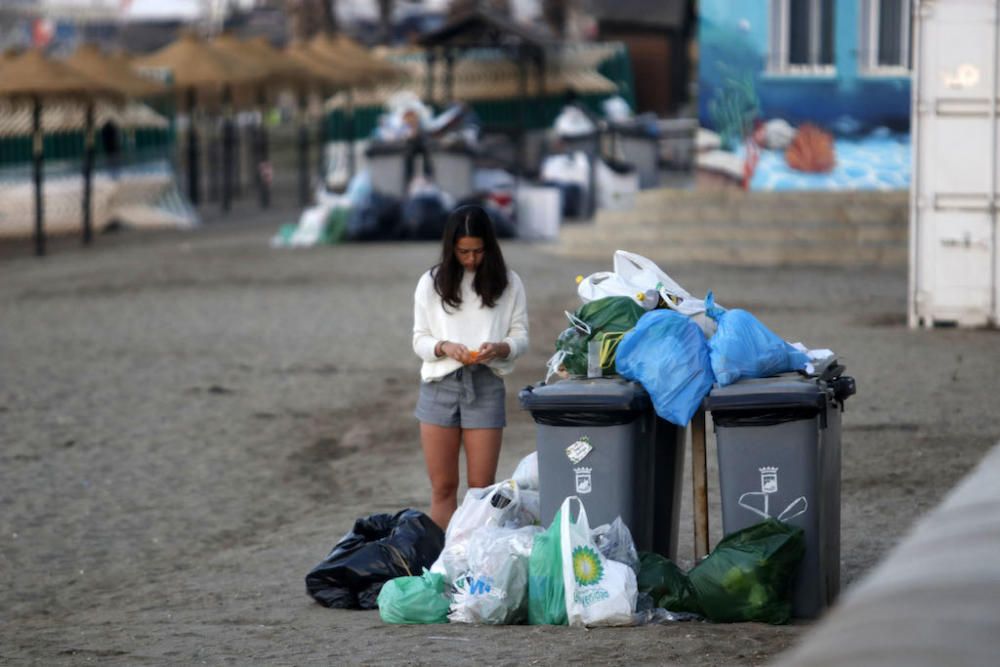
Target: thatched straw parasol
x: 354, y: 60
x: 91, y: 62
x: 278, y: 71
x: 329, y: 76
x: 327, y: 73
x: 195, y: 65
x: 357, y: 64
x: 35, y: 77
x: 114, y: 72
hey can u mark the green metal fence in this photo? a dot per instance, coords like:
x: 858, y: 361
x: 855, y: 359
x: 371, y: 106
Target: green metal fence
x: 149, y: 143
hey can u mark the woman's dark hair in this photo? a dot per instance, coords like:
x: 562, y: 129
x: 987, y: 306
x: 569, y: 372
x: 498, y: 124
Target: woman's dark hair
x: 491, y: 276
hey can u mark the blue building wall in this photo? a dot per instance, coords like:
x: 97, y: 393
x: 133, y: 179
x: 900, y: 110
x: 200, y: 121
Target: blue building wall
x: 734, y: 42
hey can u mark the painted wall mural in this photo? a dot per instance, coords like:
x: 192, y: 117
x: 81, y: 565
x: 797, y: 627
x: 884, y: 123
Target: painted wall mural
x: 804, y: 94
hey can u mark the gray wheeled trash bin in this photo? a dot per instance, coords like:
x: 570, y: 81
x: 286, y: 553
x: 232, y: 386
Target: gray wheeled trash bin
x: 778, y: 444
x: 640, y: 148
x: 599, y: 439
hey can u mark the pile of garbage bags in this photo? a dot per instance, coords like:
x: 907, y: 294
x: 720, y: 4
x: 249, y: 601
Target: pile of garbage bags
x: 499, y: 567
x: 637, y: 322
x: 495, y: 565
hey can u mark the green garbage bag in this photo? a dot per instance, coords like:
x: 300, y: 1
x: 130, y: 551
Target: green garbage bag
x: 602, y: 320
x: 612, y: 313
x: 546, y: 592
x: 414, y: 600
x: 666, y: 583
x: 574, y: 344
x: 749, y: 574
x: 336, y: 225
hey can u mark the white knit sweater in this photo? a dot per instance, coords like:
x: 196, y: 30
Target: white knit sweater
x: 471, y: 324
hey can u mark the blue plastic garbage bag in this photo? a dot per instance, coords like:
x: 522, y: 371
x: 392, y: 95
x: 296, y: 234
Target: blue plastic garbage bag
x: 743, y: 347
x: 667, y: 354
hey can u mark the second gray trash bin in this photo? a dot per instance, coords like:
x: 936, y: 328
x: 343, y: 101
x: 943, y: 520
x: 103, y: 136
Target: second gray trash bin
x: 599, y: 439
x: 778, y: 444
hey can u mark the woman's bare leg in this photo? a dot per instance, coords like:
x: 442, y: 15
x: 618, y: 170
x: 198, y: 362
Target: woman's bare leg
x: 482, y: 451
x: 441, y: 445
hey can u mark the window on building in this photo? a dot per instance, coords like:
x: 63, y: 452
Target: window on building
x: 885, y: 35
x: 801, y: 37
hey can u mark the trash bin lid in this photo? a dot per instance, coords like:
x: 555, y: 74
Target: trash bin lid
x: 789, y: 391
x: 585, y: 394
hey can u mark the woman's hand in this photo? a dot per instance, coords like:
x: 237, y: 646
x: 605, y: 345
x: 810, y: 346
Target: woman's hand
x: 456, y: 351
x: 491, y: 351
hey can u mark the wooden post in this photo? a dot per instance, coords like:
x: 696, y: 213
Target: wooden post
x: 321, y: 138
x: 449, y: 76
x: 261, y: 152
x: 429, y: 83
x: 522, y: 114
x: 228, y: 146
x: 193, y: 157
x: 351, y: 166
x: 699, y: 479
x: 88, y: 172
x: 303, y: 153
x: 38, y: 157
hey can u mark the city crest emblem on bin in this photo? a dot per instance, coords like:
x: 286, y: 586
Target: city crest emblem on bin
x: 584, y: 484
x: 769, y: 479
x: 768, y: 488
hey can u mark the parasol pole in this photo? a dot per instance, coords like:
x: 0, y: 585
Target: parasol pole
x: 194, y: 177
x: 228, y: 142
x: 38, y: 157
x: 351, y: 166
x: 321, y: 136
x: 303, y: 152
x: 262, y: 150
x: 88, y: 171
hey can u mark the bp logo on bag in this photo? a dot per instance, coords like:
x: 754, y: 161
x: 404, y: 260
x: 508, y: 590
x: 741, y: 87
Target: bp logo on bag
x: 587, y: 568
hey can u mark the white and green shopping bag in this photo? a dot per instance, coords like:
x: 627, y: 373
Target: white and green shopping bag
x: 598, y: 591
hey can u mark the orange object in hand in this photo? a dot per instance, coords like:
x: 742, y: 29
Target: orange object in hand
x: 473, y: 355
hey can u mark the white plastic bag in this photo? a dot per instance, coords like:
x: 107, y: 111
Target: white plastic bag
x: 598, y: 591
x: 531, y: 508
x: 607, y: 283
x: 642, y: 273
x: 526, y: 472
x: 573, y: 122
x: 497, y: 505
x: 567, y: 168
x: 616, y: 190
x: 494, y: 590
x: 634, y: 275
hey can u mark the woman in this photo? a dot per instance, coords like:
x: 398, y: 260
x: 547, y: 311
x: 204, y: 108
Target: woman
x: 470, y: 323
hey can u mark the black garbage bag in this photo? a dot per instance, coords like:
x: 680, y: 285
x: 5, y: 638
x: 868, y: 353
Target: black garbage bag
x: 380, y: 547
x: 424, y: 216
x: 378, y: 218
x: 574, y: 199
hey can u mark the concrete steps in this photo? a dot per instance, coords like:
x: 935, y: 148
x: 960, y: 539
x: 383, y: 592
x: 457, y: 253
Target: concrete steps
x: 751, y: 229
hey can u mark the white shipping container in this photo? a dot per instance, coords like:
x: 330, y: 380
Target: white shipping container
x: 954, y: 276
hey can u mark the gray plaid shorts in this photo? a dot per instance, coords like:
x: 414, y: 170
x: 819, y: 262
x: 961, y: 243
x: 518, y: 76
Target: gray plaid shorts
x: 471, y: 397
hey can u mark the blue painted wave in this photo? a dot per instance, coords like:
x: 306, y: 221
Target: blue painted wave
x: 877, y: 162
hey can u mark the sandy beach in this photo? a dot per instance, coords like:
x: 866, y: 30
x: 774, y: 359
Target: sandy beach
x: 190, y: 420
